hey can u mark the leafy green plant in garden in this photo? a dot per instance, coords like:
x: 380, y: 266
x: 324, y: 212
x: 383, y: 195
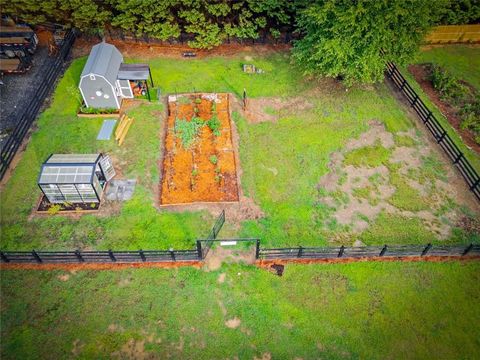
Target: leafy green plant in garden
x: 214, y: 125
x: 188, y: 130
x: 464, y: 98
x: 448, y: 85
x: 213, y: 159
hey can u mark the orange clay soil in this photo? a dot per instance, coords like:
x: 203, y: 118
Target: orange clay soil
x: 188, y: 175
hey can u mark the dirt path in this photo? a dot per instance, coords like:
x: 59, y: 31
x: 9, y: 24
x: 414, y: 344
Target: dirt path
x: 151, y: 51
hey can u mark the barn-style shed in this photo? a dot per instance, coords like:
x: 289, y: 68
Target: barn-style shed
x: 106, y: 80
x: 75, y: 178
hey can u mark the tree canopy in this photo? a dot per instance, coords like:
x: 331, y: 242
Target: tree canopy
x: 354, y: 39
x: 209, y: 22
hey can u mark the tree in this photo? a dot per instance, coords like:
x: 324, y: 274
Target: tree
x: 355, y: 39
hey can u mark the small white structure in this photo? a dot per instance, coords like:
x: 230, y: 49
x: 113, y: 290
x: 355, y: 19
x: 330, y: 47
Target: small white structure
x: 106, y: 80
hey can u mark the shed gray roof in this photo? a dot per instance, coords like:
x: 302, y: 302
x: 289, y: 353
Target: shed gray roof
x: 134, y: 72
x: 104, y: 60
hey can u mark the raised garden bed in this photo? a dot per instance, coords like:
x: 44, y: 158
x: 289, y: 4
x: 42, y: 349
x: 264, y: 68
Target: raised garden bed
x: 85, y: 112
x: 109, y: 116
x: 46, y: 207
x: 199, y: 158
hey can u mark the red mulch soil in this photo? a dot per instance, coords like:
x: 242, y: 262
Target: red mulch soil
x: 188, y: 175
x: 420, y: 74
x: 99, y: 266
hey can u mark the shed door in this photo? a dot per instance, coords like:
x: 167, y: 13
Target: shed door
x: 125, y: 89
x: 107, y: 167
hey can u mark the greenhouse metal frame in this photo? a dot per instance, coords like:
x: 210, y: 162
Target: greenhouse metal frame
x: 75, y: 178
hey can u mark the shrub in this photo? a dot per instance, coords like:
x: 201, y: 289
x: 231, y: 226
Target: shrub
x: 214, y: 125
x: 470, y: 115
x: 188, y: 130
x: 448, y: 85
x: 90, y: 110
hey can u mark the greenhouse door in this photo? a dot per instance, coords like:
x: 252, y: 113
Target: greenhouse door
x: 107, y: 167
x: 125, y: 89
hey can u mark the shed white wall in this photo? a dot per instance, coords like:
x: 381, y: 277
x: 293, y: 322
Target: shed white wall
x: 88, y: 88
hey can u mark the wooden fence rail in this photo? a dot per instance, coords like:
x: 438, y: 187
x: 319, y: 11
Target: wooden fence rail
x: 29, y: 114
x: 436, y: 129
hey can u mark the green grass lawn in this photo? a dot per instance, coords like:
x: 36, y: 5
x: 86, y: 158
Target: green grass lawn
x: 353, y: 311
x: 463, y: 61
x: 297, y: 148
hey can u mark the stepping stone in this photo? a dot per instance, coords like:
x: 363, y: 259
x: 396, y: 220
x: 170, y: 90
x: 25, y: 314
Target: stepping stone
x: 120, y: 190
x: 106, y: 130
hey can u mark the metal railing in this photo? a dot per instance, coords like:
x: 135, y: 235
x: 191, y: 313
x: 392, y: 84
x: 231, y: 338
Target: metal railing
x: 399, y: 251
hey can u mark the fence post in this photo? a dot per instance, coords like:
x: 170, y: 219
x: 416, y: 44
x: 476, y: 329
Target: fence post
x: 257, y: 249
x: 415, y: 99
x: 457, y: 159
x: 383, y: 251
x: 440, y: 139
x: 300, y: 251
x: 342, y: 250
x: 475, y: 184
x: 4, y: 257
x: 427, y: 248
x: 142, y: 255
x: 427, y: 119
x: 404, y: 82
x: 172, y: 254
x: 36, y: 256
x: 112, y: 257
x: 467, y: 250
x: 79, y: 256
x: 199, y: 249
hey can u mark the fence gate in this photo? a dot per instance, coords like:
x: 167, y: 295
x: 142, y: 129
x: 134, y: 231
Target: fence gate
x: 203, y: 245
x: 235, y: 249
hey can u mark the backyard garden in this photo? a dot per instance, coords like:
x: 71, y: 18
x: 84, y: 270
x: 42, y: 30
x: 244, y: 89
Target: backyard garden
x: 317, y: 165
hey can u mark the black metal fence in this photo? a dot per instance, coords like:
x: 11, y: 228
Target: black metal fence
x: 203, y: 246
x: 138, y: 256
x: 30, y: 112
x: 436, y: 129
x: 368, y: 251
x: 107, y: 256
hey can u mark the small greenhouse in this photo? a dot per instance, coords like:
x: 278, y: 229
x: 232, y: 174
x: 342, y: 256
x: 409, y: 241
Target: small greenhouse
x: 75, y: 178
x: 106, y: 80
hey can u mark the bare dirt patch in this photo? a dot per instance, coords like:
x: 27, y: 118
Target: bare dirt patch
x: 221, y: 278
x: 270, y: 109
x: 219, y: 255
x: 189, y: 174
x: 357, y: 195
x: 133, y: 349
x: 63, y: 277
x: 233, y: 323
x: 132, y: 49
